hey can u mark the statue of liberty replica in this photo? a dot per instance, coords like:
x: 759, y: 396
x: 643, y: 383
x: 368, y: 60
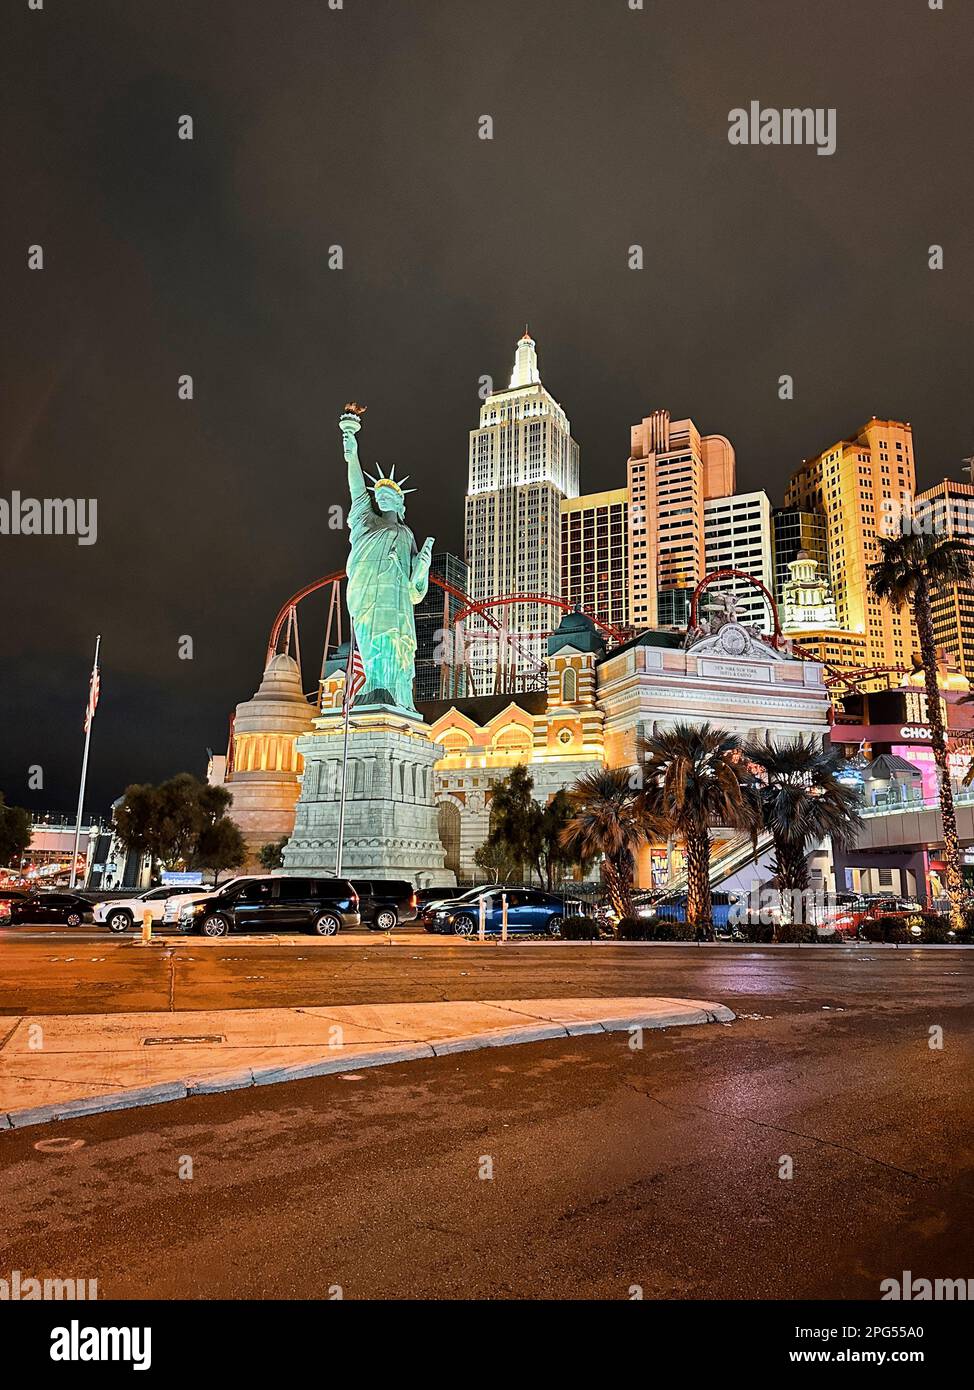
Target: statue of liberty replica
x: 367, y: 804
x: 387, y: 576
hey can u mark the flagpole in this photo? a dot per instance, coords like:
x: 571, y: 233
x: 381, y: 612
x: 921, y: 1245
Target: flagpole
x: 84, y: 771
x: 348, y: 707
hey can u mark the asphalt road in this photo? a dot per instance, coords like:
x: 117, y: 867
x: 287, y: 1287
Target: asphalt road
x: 612, y: 1167
x: 65, y: 972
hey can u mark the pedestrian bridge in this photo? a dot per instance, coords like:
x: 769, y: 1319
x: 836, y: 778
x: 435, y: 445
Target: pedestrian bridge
x: 915, y: 824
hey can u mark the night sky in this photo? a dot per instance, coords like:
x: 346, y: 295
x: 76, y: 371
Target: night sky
x: 359, y: 127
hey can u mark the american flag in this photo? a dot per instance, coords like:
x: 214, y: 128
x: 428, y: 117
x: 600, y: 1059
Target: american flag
x: 354, y: 676
x: 94, y: 690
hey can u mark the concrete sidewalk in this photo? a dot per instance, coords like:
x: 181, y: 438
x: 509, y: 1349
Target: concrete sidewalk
x: 58, y: 1066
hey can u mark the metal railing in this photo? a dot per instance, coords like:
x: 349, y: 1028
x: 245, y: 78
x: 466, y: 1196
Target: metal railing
x: 963, y: 796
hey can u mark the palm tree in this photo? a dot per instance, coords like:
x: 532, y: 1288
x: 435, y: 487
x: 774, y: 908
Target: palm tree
x: 695, y: 779
x: 608, y: 820
x: 802, y: 802
x: 912, y: 565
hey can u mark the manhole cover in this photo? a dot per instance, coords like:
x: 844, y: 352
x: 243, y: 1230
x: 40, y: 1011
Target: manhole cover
x: 186, y: 1041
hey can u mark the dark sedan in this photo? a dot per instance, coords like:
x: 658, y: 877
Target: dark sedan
x: 66, y: 909
x: 528, y: 911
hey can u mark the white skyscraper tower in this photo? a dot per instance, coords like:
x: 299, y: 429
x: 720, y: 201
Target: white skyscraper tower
x: 523, y: 462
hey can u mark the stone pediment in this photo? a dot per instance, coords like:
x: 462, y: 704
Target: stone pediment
x: 735, y: 642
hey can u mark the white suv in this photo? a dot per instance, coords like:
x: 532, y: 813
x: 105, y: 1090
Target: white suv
x: 118, y: 914
x: 170, y: 916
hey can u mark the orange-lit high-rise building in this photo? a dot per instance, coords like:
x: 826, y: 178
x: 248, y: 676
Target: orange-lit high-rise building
x: 855, y: 484
x: 673, y: 470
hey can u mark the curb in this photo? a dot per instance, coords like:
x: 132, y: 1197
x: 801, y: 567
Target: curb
x: 161, y: 1092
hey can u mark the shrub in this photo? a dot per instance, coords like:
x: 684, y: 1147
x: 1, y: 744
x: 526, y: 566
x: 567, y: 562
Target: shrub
x: 756, y: 931
x: 579, y: 929
x: 936, y: 929
x: 666, y: 930
x: 634, y: 929
x: 793, y: 933
x: 662, y: 930
x: 895, y: 929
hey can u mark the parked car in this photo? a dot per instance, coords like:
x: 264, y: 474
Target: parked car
x: 68, y: 909
x: 179, y: 899
x: 320, y: 905
x: 9, y: 896
x: 385, y: 901
x: 848, y: 916
x: 436, y: 910
x: 427, y: 898
x: 528, y: 910
x: 441, y: 899
x: 673, y: 908
x: 118, y: 914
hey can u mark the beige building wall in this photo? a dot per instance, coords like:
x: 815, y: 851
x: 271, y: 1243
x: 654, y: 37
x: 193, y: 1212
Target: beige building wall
x: 849, y: 483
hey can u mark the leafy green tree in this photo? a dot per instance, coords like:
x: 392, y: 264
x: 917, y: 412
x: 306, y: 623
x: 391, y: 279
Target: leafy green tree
x: 494, y: 861
x: 694, y: 780
x: 220, y: 846
x: 176, y: 822
x: 608, y: 821
x: 14, y: 833
x: 910, y: 566
x: 554, y: 856
x: 134, y: 817
x: 514, y: 840
x: 271, y: 855
x: 802, y: 802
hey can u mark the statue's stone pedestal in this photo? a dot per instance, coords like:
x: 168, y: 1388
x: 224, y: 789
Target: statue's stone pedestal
x: 390, y: 814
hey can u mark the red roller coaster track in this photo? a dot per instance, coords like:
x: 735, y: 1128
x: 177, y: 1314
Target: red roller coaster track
x: 468, y: 607
x: 849, y: 676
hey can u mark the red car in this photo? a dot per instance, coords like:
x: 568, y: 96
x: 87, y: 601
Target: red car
x: 848, y: 917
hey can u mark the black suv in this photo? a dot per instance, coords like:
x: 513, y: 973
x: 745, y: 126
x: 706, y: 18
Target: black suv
x: 320, y: 905
x: 385, y: 901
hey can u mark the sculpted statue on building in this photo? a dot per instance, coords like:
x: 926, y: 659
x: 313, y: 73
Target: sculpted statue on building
x: 387, y: 577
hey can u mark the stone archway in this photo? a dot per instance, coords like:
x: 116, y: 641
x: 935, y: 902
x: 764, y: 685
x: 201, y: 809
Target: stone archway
x: 448, y: 825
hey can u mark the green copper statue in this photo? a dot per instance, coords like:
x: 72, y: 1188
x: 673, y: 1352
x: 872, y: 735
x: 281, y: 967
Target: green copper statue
x: 387, y: 576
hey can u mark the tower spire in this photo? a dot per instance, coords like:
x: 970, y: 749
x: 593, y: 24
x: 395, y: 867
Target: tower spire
x: 525, y: 371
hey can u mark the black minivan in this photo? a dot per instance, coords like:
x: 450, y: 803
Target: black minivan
x: 320, y: 905
x: 385, y: 901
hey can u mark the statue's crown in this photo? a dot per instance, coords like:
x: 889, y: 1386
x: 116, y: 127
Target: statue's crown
x: 389, y: 480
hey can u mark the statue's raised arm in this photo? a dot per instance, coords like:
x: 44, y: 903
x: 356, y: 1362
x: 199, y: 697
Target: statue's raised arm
x: 350, y: 424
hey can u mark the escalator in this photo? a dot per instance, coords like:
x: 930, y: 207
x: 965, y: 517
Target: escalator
x: 737, y: 855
